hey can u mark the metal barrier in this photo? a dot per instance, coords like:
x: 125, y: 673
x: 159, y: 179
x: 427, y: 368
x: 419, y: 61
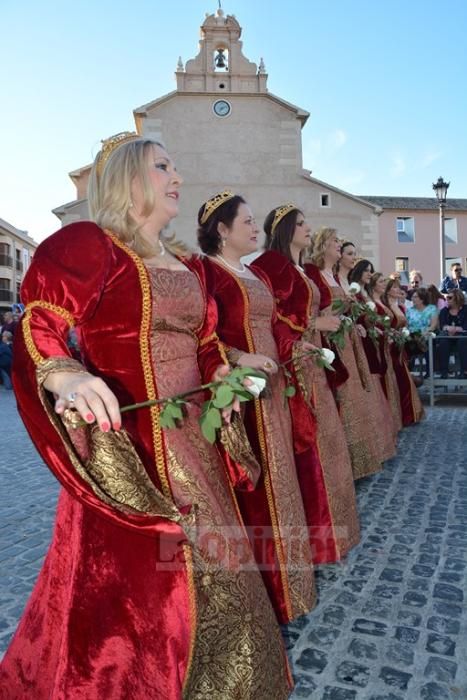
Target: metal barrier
x: 451, y: 384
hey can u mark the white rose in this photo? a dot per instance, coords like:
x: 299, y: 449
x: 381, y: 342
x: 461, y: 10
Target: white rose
x: 371, y: 305
x: 257, y: 385
x: 328, y: 355
x: 405, y: 332
x: 354, y: 288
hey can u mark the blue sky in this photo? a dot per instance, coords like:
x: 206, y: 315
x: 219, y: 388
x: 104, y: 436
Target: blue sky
x: 384, y: 81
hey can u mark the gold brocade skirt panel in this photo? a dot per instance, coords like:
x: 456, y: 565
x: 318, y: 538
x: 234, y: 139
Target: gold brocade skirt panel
x: 379, y: 406
x: 275, y: 425
x: 392, y: 390
x: 355, y: 410
x: 334, y: 456
x: 238, y: 652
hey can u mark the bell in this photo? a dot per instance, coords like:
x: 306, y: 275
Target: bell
x: 219, y: 60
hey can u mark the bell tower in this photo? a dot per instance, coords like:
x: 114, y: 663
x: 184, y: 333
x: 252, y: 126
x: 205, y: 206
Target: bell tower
x: 220, y: 65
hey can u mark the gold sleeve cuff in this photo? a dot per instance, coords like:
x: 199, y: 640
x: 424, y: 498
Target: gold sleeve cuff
x: 58, y: 364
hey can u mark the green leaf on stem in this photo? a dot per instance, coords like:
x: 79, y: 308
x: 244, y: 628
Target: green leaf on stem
x: 224, y: 396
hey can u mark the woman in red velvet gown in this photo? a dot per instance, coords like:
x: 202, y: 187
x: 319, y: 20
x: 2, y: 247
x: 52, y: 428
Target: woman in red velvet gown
x: 322, y: 457
x: 355, y: 406
x: 376, y: 287
x: 273, y: 512
x: 132, y: 601
x: 361, y: 273
x: 411, y: 406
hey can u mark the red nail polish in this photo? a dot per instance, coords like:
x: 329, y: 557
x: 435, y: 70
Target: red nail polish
x: 117, y: 426
x: 105, y: 427
x: 89, y: 417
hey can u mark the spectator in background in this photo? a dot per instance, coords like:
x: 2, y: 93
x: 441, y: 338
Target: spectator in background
x: 455, y: 281
x: 421, y: 316
x: 435, y: 297
x: 453, y: 323
x: 9, y: 322
x: 416, y: 281
x: 6, y: 358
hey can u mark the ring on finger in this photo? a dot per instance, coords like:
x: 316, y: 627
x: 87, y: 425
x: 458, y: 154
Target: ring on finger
x: 71, y: 398
x: 268, y: 365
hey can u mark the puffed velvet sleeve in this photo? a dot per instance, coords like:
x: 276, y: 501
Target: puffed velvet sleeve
x: 287, y: 325
x: 69, y: 274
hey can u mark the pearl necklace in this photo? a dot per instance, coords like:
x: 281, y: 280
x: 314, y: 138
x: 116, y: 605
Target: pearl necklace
x: 162, y: 248
x: 232, y: 267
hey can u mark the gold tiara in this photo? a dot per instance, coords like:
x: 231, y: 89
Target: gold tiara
x: 109, y: 145
x: 280, y: 212
x: 215, y: 202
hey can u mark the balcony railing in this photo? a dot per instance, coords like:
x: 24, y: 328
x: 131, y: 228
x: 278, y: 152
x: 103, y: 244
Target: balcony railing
x: 19, y: 266
x: 6, y: 261
x: 6, y: 295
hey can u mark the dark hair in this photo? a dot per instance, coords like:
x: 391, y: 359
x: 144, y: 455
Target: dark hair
x: 284, y: 232
x: 209, y: 238
x: 422, y: 295
x: 455, y: 264
x: 344, y: 244
x: 355, y: 274
x: 433, y: 294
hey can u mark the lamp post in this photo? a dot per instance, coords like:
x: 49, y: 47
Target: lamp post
x: 441, y: 189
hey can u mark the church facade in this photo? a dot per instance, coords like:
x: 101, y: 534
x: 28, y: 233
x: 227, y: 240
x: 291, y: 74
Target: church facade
x: 224, y: 129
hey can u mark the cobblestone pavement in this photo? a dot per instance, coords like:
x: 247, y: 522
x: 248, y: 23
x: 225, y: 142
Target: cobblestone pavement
x: 391, y: 623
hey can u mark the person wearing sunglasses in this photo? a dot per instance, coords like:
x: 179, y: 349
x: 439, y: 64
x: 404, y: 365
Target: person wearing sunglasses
x: 455, y: 281
x: 452, y: 323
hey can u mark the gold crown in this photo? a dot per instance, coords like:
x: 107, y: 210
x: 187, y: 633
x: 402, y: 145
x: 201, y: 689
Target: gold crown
x: 280, y: 212
x: 109, y: 145
x: 215, y: 202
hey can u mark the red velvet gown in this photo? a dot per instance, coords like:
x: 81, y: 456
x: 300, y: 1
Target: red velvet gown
x: 321, y: 454
x: 388, y: 379
x: 130, y: 603
x: 355, y: 405
x: 377, y: 365
x: 273, y: 512
x: 411, y: 406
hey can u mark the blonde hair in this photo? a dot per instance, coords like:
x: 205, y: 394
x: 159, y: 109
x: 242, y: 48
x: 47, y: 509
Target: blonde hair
x: 109, y: 197
x: 319, y: 245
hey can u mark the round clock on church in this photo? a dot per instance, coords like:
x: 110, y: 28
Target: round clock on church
x: 221, y: 108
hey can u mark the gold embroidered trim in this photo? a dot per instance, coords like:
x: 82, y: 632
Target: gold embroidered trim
x: 222, y: 353
x: 193, y: 611
x: 309, y: 291
x: 290, y: 323
x: 205, y: 341
x: 28, y: 339
x: 58, y: 364
x: 145, y: 353
x: 59, y: 310
x: 264, y: 458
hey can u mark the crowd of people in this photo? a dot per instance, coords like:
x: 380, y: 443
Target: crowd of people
x: 175, y: 558
x: 8, y: 326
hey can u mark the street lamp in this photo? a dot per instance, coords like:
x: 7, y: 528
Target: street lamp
x: 441, y: 189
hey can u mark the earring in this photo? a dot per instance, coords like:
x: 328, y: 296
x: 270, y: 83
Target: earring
x: 223, y: 242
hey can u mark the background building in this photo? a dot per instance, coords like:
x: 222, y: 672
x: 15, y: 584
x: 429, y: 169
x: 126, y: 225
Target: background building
x: 225, y: 129
x: 409, y: 234
x: 16, y: 251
